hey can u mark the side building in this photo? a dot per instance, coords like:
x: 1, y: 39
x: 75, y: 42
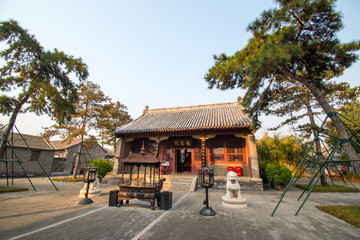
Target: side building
x: 66, y: 153
x: 29, y: 150
x: 176, y: 136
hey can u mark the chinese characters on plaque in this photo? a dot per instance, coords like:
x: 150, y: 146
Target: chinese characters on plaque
x: 183, y: 143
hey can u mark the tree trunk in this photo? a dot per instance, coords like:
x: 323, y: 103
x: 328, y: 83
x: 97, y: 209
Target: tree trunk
x: 78, y: 156
x: 339, y: 125
x: 11, y: 124
x: 320, y: 157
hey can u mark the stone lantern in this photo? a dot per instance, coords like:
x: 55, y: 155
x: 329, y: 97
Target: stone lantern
x: 206, y: 176
x: 88, y: 177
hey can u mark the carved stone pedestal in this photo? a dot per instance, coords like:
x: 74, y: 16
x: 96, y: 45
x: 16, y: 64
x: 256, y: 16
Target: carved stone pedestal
x: 94, y: 189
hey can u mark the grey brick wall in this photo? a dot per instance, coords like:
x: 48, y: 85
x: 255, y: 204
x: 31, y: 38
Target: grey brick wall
x: 32, y: 168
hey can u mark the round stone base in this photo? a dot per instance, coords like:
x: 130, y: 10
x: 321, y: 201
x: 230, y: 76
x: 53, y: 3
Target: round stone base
x: 234, y: 203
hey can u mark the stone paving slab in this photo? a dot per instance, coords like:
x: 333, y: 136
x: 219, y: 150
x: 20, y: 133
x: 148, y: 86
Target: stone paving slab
x: 48, y: 214
x: 27, y: 211
x: 255, y: 221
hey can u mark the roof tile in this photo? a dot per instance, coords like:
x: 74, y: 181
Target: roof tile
x: 26, y: 140
x: 202, y: 117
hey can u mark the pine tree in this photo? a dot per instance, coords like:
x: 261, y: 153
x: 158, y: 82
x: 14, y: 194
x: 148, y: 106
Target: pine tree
x: 111, y: 116
x: 35, y: 80
x: 90, y: 101
x: 294, y: 43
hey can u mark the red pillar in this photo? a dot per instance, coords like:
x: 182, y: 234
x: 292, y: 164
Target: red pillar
x: 248, y: 155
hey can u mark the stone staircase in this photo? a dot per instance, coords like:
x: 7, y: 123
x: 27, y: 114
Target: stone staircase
x: 176, y: 182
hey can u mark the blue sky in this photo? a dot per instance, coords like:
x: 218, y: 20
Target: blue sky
x: 153, y: 53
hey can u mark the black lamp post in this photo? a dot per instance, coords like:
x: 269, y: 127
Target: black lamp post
x: 88, y: 177
x: 207, y: 181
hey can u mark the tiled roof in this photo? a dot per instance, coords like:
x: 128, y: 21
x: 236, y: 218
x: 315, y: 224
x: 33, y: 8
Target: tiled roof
x: 60, y: 145
x: 202, y: 117
x: 34, y: 142
x: 63, y: 144
x: 141, y: 158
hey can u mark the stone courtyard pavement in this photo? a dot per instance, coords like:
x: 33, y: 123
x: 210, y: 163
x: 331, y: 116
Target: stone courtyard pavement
x: 48, y: 214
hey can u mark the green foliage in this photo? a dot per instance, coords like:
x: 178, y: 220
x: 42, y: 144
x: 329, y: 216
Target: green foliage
x: 94, y: 112
x: 292, y: 45
x: 41, y: 78
x: 278, y: 174
x: 262, y: 169
x: 328, y: 188
x: 90, y: 99
x: 103, y: 166
x: 36, y: 80
x: 294, y: 103
x: 349, y: 108
x: 4, y: 189
x: 350, y: 214
x: 111, y: 116
x: 285, y: 150
x: 353, y: 178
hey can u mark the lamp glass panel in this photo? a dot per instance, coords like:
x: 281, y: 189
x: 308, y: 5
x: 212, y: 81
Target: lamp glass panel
x: 211, y: 177
x: 92, y: 174
x: 206, y: 178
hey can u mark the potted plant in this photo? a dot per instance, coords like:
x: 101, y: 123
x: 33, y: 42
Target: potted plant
x: 103, y: 167
x: 278, y: 175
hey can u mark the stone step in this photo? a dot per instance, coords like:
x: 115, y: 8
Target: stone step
x: 179, y: 182
x: 168, y: 181
x: 182, y: 189
x: 178, y: 176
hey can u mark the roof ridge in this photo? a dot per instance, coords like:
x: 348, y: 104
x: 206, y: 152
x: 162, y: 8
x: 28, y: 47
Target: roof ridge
x: 28, y: 141
x: 63, y: 143
x: 195, y: 107
x: 48, y: 143
x: 191, y: 118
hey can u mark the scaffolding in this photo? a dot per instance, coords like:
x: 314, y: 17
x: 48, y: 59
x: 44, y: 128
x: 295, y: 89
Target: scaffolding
x: 333, y: 156
x: 11, y: 158
x: 82, y: 155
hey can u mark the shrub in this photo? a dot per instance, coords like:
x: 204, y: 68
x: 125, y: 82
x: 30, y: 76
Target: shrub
x: 284, y: 177
x: 103, y: 166
x: 262, y: 169
x: 278, y: 174
x: 272, y: 170
x: 287, y: 150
